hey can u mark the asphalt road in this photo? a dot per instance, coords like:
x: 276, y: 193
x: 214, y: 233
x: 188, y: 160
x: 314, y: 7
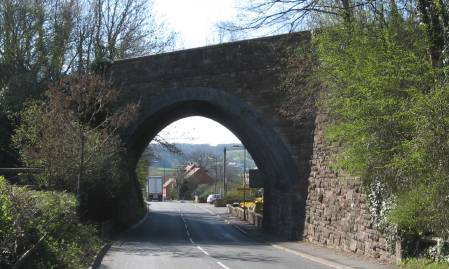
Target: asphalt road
x: 185, y: 235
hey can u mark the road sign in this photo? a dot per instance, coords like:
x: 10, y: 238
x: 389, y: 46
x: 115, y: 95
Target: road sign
x: 256, y: 179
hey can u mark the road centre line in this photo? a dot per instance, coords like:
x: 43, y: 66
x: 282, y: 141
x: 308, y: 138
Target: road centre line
x: 202, y: 250
x: 222, y: 265
x: 303, y: 255
x: 191, y: 241
x: 185, y: 226
x: 298, y: 253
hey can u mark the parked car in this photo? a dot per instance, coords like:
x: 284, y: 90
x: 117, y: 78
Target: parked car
x: 212, y: 197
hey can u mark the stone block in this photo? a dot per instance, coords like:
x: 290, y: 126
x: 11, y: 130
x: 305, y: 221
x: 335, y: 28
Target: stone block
x: 353, y: 245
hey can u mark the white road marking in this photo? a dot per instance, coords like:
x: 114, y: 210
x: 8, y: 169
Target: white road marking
x: 313, y: 258
x: 185, y: 226
x: 202, y: 250
x: 222, y: 265
x: 303, y: 255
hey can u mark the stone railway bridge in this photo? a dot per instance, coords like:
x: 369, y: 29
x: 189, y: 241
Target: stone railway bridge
x: 237, y: 85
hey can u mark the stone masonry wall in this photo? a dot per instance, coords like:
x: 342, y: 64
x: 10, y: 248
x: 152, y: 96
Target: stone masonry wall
x: 337, y: 215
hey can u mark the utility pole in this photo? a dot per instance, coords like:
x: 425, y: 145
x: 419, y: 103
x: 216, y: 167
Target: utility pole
x: 243, y: 178
x: 224, y: 172
x: 163, y: 182
x: 216, y: 175
x: 244, y: 183
x: 216, y: 171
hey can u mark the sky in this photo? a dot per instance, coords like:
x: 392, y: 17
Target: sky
x: 194, y: 21
x: 198, y: 130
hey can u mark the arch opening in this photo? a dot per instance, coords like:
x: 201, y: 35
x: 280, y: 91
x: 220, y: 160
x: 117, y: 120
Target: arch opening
x: 198, y: 154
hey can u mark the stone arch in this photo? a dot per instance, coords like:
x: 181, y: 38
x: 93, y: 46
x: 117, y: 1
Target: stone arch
x: 237, y: 85
x: 265, y: 145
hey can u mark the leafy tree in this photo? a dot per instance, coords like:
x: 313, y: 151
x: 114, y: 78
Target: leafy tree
x: 435, y: 16
x: 423, y: 204
x: 43, y: 41
x: 73, y: 136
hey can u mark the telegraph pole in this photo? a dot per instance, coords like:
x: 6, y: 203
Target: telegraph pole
x: 244, y: 183
x: 224, y: 172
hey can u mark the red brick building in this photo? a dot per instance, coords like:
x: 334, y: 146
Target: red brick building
x: 198, y: 173
x: 167, y: 188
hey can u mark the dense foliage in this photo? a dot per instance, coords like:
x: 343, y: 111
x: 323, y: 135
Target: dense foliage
x: 381, y: 72
x: 390, y: 115
x: 73, y: 137
x: 41, y: 230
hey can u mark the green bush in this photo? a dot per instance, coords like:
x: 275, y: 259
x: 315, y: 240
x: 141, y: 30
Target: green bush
x: 46, y: 225
x: 203, y: 190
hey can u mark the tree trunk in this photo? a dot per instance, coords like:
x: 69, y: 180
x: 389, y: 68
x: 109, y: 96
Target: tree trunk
x: 445, y: 21
x: 431, y: 18
x: 347, y: 14
x: 80, y: 177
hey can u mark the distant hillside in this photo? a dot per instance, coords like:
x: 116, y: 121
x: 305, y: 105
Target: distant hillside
x: 190, y: 151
